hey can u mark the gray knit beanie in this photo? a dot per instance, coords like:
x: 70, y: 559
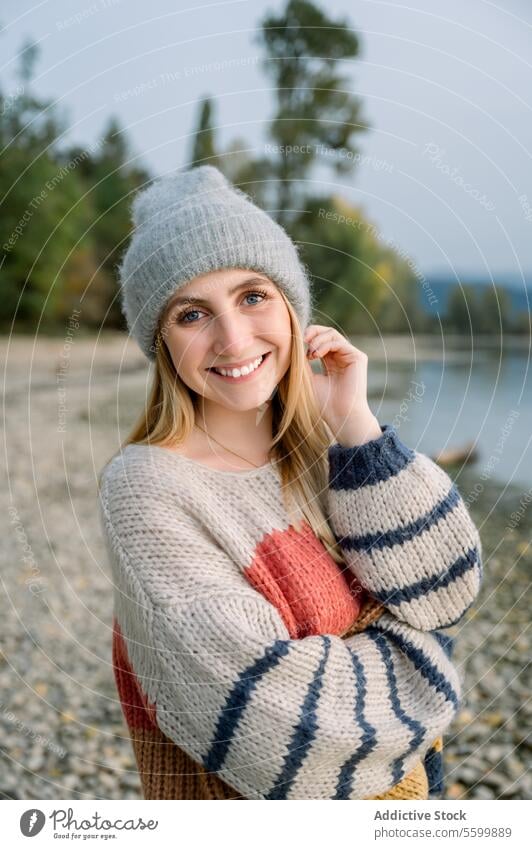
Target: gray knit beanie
x: 192, y: 223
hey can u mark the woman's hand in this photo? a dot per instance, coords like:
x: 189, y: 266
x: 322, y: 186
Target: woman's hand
x: 341, y: 392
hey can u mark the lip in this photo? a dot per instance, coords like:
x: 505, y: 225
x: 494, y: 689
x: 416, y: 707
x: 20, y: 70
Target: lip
x: 243, y: 377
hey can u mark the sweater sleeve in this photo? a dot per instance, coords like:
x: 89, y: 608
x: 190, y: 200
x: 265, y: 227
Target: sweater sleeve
x: 404, y: 530
x: 275, y: 717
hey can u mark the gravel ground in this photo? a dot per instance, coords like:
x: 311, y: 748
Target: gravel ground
x: 62, y: 735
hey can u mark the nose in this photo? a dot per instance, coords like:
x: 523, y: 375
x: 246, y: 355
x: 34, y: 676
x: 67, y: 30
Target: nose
x: 232, y: 336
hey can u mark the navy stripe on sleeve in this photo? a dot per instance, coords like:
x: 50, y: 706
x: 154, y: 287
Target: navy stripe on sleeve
x: 344, y: 786
x: 422, y: 663
x: 397, y: 595
x: 304, y: 733
x: 366, y: 465
x: 236, y: 703
x: 403, y: 533
x: 417, y: 728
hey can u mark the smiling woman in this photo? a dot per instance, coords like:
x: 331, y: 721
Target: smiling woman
x: 282, y: 562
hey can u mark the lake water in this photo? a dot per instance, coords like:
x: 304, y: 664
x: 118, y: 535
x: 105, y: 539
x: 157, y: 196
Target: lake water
x: 446, y: 403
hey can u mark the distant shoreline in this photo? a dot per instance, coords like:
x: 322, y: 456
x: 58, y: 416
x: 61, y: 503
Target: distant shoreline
x: 405, y: 348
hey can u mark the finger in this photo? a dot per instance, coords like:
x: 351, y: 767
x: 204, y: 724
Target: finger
x: 326, y: 333
x: 321, y: 344
x: 313, y: 329
x: 332, y: 341
x: 328, y: 348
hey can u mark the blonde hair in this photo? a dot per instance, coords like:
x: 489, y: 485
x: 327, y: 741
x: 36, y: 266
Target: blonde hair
x: 300, y: 436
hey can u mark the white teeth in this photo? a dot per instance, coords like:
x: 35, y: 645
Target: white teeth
x: 235, y: 372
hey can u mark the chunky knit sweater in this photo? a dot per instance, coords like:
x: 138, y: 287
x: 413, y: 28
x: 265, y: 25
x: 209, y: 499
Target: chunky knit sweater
x: 249, y: 664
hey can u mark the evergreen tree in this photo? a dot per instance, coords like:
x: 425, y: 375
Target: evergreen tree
x: 315, y: 111
x: 40, y: 219
x: 111, y: 180
x: 462, y: 310
x: 494, y: 310
x: 203, y: 139
x: 65, y: 212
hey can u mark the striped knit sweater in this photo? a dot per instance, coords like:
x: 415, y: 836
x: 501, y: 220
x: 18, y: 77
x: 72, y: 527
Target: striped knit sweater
x: 248, y: 663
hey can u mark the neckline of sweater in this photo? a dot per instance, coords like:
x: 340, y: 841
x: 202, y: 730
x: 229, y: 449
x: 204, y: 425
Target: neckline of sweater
x: 201, y: 467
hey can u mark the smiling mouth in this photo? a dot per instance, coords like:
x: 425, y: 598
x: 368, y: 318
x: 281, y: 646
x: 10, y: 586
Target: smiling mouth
x: 241, y: 375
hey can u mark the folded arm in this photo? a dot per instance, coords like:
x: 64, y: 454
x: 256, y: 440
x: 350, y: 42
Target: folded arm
x: 404, y: 530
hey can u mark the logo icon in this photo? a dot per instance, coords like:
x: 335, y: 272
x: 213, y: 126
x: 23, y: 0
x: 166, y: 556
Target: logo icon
x: 32, y: 822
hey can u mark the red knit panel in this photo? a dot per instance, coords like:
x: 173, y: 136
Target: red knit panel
x: 296, y: 573
x: 138, y: 711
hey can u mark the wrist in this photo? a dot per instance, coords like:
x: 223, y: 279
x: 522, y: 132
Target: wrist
x: 358, y: 431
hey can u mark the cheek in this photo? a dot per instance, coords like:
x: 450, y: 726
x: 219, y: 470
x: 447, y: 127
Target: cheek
x: 279, y: 328
x: 187, y: 352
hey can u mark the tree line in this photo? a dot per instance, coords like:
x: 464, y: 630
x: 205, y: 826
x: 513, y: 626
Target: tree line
x: 65, y: 208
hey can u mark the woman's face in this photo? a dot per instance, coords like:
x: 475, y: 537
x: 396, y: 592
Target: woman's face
x: 232, y: 319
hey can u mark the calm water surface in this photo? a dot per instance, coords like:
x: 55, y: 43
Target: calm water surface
x: 485, y: 398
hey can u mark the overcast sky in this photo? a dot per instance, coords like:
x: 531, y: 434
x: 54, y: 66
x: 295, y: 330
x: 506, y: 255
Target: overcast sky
x: 446, y: 87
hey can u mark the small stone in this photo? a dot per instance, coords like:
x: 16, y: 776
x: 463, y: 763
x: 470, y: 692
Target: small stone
x: 464, y: 717
x: 108, y: 780
x: 456, y: 790
x: 497, y: 780
x: 468, y: 774
x: 67, y: 717
x: 482, y: 792
x: 493, y: 718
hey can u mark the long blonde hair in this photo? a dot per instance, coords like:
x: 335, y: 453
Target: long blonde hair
x: 300, y: 436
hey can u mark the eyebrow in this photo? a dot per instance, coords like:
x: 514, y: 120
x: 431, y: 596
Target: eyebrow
x: 190, y: 299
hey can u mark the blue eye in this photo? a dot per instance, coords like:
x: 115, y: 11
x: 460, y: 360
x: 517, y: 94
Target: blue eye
x: 182, y: 318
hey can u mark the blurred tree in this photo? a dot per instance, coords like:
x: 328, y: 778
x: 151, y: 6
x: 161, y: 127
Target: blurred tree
x: 360, y: 284
x: 474, y: 309
x: 494, y: 310
x: 462, y: 309
x: 203, y: 137
x: 237, y: 161
x: 65, y: 212
x: 111, y: 178
x: 35, y: 195
x: 316, y: 115
x: 522, y: 323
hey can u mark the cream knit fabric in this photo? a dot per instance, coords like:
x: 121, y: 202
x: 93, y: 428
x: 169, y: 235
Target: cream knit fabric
x: 278, y: 717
